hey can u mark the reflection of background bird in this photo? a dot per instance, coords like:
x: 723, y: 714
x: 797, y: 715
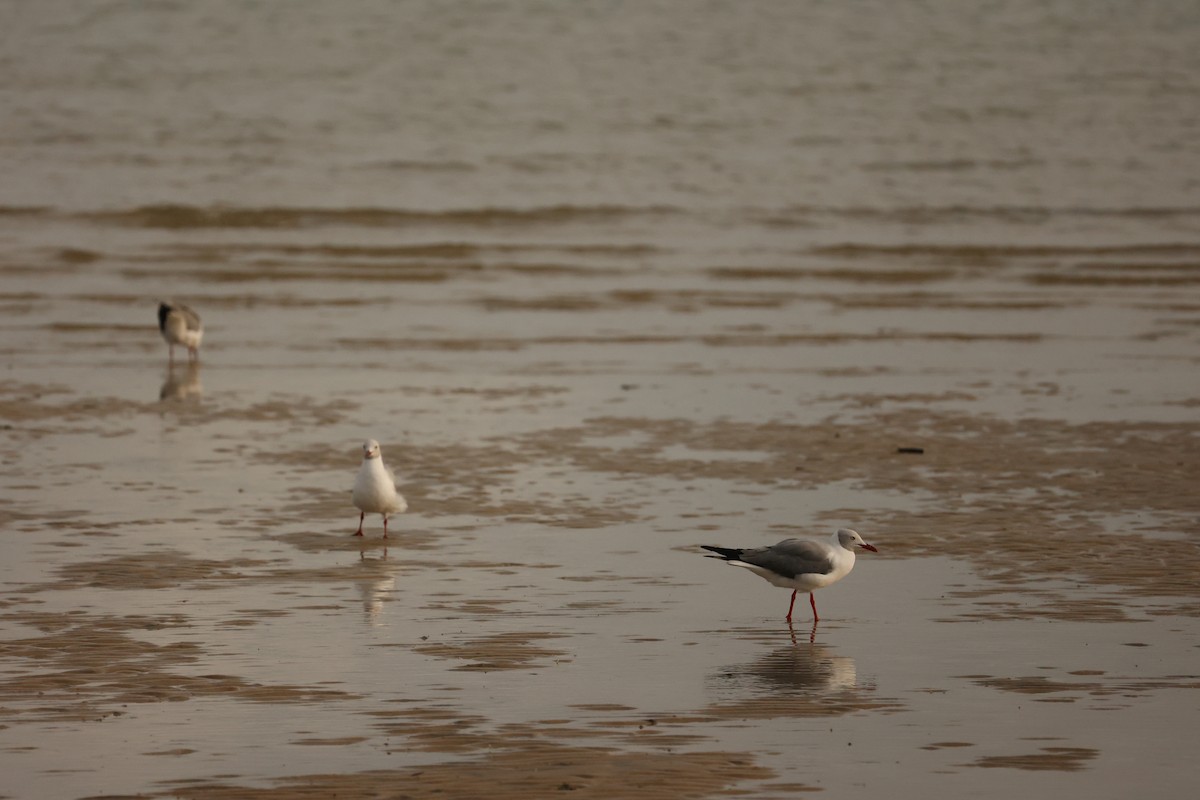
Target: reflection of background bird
x: 803, y: 669
x: 180, y: 325
x: 182, y: 382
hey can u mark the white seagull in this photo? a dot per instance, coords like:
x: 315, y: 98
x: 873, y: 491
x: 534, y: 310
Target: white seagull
x: 799, y: 564
x: 375, y: 488
x: 180, y: 325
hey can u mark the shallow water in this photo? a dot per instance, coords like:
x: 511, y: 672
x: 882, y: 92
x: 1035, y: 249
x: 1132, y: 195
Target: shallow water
x: 608, y: 283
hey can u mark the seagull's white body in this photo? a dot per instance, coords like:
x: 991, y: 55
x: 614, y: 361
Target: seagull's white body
x: 802, y: 565
x: 180, y: 325
x: 375, y: 488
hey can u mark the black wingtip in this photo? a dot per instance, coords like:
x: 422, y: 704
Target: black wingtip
x: 726, y: 553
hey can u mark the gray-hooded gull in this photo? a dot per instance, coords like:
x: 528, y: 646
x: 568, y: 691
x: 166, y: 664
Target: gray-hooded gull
x: 799, y: 564
x: 375, y: 488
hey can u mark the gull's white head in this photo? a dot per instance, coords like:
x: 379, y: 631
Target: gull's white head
x: 850, y: 539
x: 371, y: 449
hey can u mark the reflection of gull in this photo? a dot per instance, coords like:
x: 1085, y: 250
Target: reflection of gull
x: 799, y: 564
x: 178, y: 324
x: 181, y: 382
x: 373, y: 593
x: 374, y: 585
x: 800, y: 670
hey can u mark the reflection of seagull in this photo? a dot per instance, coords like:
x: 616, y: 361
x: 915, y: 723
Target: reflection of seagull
x: 799, y: 564
x: 375, y: 488
x: 811, y: 667
x: 806, y: 669
x: 182, y: 384
x: 180, y: 325
x: 374, y: 587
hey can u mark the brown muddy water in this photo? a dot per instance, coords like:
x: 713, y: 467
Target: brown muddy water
x: 608, y: 282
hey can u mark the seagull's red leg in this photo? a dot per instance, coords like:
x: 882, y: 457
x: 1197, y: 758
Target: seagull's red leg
x: 791, y: 606
x: 385, y: 526
x: 360, y: 521
x: 812, y: 601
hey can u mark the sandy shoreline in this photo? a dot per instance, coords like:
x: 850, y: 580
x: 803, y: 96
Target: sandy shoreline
x: 131, y: 614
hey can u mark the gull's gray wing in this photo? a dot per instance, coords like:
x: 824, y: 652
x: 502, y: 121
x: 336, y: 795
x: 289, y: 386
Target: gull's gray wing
x: 792, y: 557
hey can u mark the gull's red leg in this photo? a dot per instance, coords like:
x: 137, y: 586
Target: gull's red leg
x: 385, y: 526
x: 360, y: 521
x: 812, y: 601
x: 791, y: 606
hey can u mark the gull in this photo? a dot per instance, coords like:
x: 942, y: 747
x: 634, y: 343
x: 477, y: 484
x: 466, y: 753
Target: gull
x: 375, y: 488
x: 180, y: 325
x: 799, y: 564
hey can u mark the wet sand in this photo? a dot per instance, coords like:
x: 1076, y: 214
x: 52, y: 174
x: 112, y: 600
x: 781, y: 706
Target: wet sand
x: 608, y: 283
x: 186, y: 614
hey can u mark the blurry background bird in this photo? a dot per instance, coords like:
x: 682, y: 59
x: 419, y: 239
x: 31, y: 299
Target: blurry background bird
x: 180, y: 325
